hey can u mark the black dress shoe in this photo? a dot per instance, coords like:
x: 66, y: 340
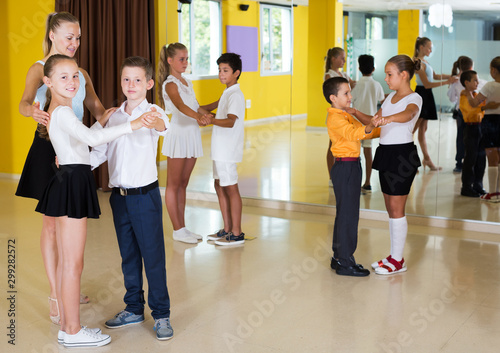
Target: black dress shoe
x: 334, y: 264
x: 355, y: 270
x: 469, y: 192
x: 479, y: 190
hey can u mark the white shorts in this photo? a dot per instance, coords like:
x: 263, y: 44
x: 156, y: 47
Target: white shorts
x: 226, y: 173
x: 366, y: 143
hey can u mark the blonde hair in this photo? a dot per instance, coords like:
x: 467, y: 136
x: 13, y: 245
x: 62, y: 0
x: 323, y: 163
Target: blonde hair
x: 164, y: 68
x: 54, y: 21
x: 48, y: 68
x: 332, y: 52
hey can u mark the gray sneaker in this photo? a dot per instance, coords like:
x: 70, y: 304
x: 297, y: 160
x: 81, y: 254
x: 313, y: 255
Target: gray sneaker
x: 163, y: 329
x: 124, y: 318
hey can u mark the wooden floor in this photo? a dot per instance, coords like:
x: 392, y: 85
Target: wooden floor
x: 275, y: 293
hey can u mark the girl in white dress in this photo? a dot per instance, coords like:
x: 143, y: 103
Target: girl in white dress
x: 396, y: 158
x: 70, y: 196
x: 182, y: 144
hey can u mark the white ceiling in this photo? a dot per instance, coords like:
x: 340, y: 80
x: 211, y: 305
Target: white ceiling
x: 394, y: 5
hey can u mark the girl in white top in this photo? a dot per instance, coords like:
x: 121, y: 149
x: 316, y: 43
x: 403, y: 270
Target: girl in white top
x: 71, y: 196
x: 490, y: 128
x: 182, y: 144
x: 396, y: 157
x: 62, y: 36
x: 334, y: 61
x: 425, y: 83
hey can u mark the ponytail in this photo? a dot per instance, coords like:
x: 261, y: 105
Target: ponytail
x: 332, y: 53
x: 454, y: 69
x: 420, y: 41
x: 405, y: 63
x: 463, y: 63
x: 163, y: 70
x: 54, y: 20
x: 43, y: 133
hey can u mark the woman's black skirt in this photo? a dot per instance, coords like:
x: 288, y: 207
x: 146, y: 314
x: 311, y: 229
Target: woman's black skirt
x: 71, y: 192
x: 397, y: 166
x: 38, y: 169
x: 428, y: 111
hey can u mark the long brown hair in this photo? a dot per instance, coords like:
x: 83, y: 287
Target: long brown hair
x: 164, y: 68
x: 462, y: 64
x: 48, y: 68
x: 332, y: 53
x: 420, y: 41
x: 405, y: 63
x: 54, y: 21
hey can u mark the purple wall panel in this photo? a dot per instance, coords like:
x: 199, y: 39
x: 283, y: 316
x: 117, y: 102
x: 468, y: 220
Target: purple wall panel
x: 245, y: 42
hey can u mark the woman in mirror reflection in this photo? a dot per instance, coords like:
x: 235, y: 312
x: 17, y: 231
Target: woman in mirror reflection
x: 182, y: 144
x: 425, y: 84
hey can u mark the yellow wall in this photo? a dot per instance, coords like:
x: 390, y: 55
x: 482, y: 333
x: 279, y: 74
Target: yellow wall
x: 24, y: 30
x: 325, y: 31
x: 408, y: 31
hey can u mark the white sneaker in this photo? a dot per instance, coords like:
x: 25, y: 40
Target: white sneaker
x: 86, y: 338
x: 184, y: 236
x: 197, y: 236
x: 61, y: 334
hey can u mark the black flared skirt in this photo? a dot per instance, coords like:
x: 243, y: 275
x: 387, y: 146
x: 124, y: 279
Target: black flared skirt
x: 38, y: 169
x: 428, y: 111
x: 71, y: 192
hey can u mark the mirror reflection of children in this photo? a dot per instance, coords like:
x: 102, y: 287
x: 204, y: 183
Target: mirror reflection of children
x: 490, y: 127
x: 365, y: 96
x: 227, y: 150
x: 345, y: 133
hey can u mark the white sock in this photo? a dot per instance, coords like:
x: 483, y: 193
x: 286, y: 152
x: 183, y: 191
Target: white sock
x: 492, y: 178
x: 398, y: 233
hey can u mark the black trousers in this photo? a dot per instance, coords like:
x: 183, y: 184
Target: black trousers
x: 475, y: 157
x: 459, y: 156
x: 346, y: 179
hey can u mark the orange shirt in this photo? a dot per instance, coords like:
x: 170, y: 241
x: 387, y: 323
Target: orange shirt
x: 346, y: 132
x: 471, y: 115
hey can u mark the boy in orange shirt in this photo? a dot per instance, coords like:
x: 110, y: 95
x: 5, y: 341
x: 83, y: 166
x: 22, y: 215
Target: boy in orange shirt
x: 345, y: 133
x: 475, y: 156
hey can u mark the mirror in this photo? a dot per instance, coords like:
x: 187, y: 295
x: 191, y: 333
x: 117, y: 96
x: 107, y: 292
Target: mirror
x: 285, y: 159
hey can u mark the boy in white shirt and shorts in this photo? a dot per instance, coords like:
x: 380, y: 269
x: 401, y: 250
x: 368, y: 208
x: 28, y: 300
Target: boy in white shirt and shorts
x: 227, y: 150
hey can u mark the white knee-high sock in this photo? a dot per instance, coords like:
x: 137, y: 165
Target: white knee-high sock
x: 492, y: 178
x: 398, y: 227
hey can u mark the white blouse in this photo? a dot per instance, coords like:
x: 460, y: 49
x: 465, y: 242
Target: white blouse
x: 71, y: 139
x: 399, y: 133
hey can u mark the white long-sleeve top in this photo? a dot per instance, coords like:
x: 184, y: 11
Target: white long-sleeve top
x: 71, y: 139
x: 131, y: 158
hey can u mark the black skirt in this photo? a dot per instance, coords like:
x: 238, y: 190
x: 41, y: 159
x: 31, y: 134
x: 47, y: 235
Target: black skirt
x: 428, y: 111
x: 38, y: 169
x: 397, y: 166
x: 71, y: 192
x: 490, y: 128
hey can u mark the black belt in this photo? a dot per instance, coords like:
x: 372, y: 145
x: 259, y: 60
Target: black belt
x: 346, y: 159
x: 136, y: 191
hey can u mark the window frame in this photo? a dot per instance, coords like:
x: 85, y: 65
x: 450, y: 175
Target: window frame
x: 193, y: 76
x: 269, y: 6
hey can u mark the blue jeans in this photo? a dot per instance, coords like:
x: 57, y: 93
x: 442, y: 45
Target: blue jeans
x: 139, y: 229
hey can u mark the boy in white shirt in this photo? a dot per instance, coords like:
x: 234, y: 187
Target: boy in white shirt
x: 227, y: 149
x: 136, y: 202
x: 365, y: 96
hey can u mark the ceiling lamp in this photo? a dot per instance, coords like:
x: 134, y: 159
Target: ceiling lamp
x: 440, y: 15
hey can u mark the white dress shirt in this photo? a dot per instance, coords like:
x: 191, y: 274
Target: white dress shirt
x: 71, y: 139
x: 131, y: 158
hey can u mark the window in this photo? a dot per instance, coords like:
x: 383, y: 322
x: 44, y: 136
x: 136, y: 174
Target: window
x: 200, y: 32
x: 276, y: 39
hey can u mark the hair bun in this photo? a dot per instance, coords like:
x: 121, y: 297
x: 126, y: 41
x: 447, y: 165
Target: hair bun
x: 417, y: 64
